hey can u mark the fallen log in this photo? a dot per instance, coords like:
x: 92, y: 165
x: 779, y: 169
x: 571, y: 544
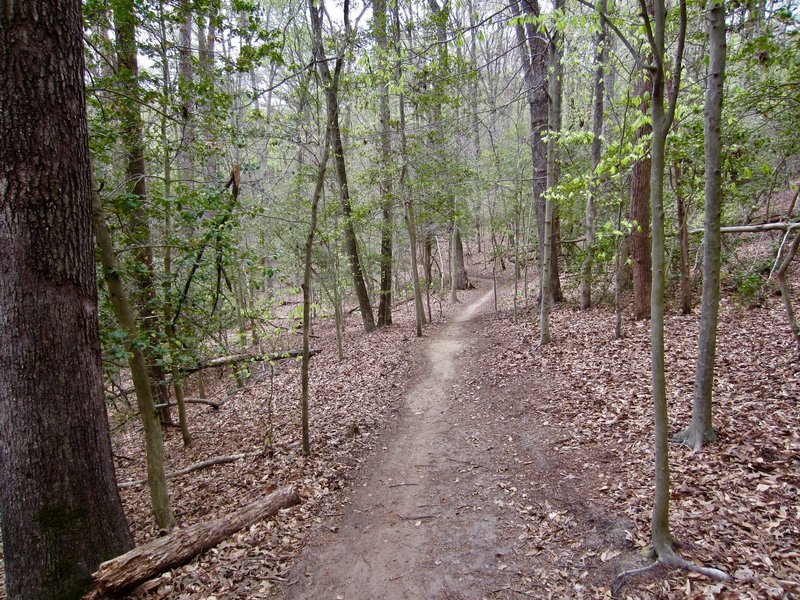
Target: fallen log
x: 149, y: 560
x: 219, y: 460
x: 214, y: 405
x: 234, y: 359
x: 784, y: 226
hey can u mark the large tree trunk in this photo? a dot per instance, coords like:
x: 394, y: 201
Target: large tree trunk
x: 387, y: 196
x: 701, y: 429
x: 60, y: 512
x: 332, y: 100
x: 640, y: 216
x: 549, y: 292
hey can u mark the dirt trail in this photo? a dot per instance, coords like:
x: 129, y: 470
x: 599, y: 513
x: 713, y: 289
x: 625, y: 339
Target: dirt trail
x: 413, y: 528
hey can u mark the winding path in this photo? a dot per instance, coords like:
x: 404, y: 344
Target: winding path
x: 416, y: 527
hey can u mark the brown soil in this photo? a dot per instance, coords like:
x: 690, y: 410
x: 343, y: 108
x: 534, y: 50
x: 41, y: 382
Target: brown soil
x: 463, y: 478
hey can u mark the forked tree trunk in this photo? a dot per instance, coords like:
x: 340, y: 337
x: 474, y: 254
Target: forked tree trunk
x: 60, y: 511
x: 332, y: 101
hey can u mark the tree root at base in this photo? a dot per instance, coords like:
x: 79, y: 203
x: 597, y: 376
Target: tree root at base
x: 667, y: 563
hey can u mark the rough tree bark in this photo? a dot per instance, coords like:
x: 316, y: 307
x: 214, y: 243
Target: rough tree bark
x: 387, y: 195
x: 60, y: 512
x: 148, y: 560
x: 554, y: 87
x: 332, y: 102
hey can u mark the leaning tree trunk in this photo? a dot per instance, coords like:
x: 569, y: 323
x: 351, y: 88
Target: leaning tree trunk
x: 701, y: 429
x: 153, y: 437
x: 332, y: 101
x: 133, y: 144
x: 60, y: 511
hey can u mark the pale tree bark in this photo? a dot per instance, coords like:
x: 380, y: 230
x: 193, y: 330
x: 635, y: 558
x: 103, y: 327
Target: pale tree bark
x: 332, y: 101
x: 60, y: 511
x: 701, y: 429
x: 786, y: 292
x: 601, y: 58
x: 387, y: 196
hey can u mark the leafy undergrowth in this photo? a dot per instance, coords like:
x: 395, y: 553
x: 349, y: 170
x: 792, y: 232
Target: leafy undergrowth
x: 362, y: 391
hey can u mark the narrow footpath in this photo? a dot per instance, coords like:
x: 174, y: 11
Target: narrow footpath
x: 462, y: 483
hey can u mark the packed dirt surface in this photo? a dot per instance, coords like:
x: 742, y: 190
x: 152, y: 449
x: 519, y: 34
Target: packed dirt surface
x: 435, y: 513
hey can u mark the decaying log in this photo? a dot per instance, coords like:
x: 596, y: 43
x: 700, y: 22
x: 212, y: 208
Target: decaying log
x: 219, y: 460
x: 144, y: 562
x: 234, y: 359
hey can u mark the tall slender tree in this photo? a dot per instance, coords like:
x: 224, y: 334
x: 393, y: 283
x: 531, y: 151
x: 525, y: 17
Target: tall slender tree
x: 701, y: 429
x: 60, y: 511
x: 331, y: 86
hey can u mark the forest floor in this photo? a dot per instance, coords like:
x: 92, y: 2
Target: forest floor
x: 473, y: 464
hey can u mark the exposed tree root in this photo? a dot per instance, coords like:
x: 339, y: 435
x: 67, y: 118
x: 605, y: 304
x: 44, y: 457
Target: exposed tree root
x: 691, y: 438
x: 661, y: 567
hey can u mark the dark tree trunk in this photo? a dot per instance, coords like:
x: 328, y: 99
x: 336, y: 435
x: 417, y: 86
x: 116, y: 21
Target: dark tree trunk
x: 640, y: 215
x: 138, y: 225
x: 331, y: 84
x: 387, y: 196
x: 533, y: 52
x: 61, y: 513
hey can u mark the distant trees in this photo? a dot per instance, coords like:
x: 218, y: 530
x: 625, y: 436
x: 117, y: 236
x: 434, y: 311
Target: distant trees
x: 61, y: 513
